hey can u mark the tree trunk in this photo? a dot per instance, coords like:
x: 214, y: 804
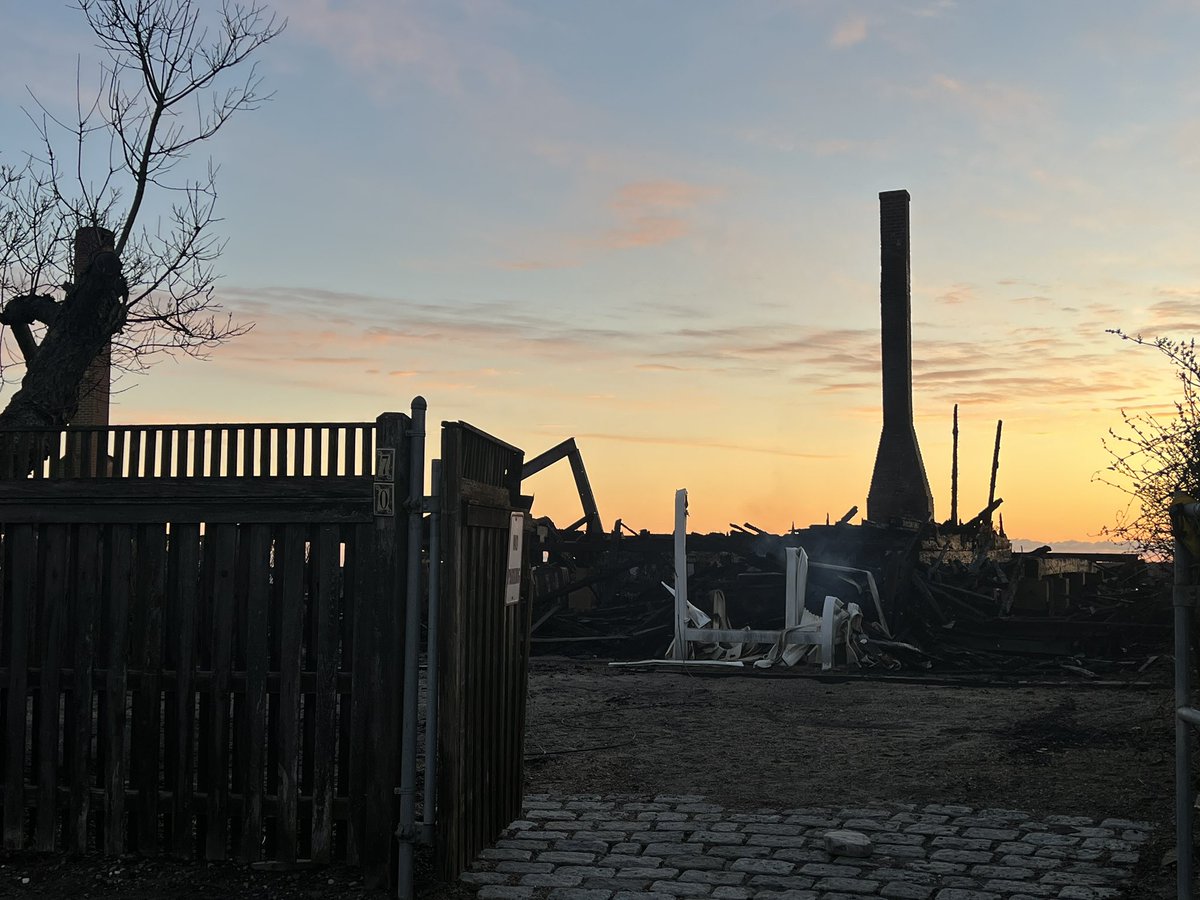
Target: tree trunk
x: 92, y: 312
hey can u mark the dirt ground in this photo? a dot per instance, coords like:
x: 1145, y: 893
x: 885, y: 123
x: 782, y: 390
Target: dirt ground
x: 758, y: 740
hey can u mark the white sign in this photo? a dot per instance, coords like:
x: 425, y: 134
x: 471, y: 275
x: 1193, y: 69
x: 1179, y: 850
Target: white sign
x: 516, y: 533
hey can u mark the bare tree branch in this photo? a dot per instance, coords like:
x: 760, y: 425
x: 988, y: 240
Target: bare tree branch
x: 1154, y: 456
x: 167, y: 83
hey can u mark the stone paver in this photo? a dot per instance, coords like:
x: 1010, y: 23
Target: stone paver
x: 639, y: 848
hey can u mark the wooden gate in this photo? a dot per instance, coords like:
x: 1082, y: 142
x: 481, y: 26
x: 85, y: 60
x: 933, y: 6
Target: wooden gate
x: 484, y: 646
x: 199, y: 640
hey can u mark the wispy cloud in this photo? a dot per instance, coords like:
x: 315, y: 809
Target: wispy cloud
x: 653, y: 213
x: 643, y: 214
x: 957, y: 294
x: 934, y: 9
x: 850, y: 31
x: 780, y: 140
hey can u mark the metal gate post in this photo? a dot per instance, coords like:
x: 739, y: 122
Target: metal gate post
x: 432, y: 677
x: 1183, y: 599
x: 407, y: 831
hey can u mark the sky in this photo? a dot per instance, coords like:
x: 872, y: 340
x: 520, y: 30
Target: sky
x: 653, y: 226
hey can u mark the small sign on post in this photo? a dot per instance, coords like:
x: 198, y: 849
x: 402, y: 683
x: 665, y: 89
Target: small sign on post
x: 512, y: 582
x: 385, y: 481
x: 385, y: 464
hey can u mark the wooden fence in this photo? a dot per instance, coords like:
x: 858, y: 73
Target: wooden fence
x: 484, y: 648
x: 296, y: 449
x: 200, y: 640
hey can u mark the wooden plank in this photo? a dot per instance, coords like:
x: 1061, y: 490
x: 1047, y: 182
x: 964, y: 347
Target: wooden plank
x: 370, y: 440
x: 120, y: 437
x: 264, y: 451
x: 205, y: 715
x: 231, y: 451
x: 183, y: 590
x: 325, y: 634
x: 299, y: 465
x: 525, y: 629
x: 146, y: 646
x: 166, y: 453
x: 255, y: 706
x: 362, y: 564
x: 238, y: 763
x: 86, y: 593
x: 478, y: 683
x: 120, y: 588
x: 150, y: 467
x: 450, y: 678
x: 350, y: 594
x: 181, y: 452
x: 289, y: 582
x: 214, y: 451
x: 508, y: 720
x: 384, y: 662
x: 247, y: 434
x: 332, y: 457
x: 223, y: 542
x: 281, y: 441
x: 54, y: 600
x: 20, y: 553
x: 308, y: 717
x: 351, y: 457
x: 340, y: 499
x: 58, y: 457
x: 198, y: 456
x: 135, y: 453
x: 87, y: 455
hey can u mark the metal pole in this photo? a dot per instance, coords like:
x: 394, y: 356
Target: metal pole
x: 954, y: 474
x: 412, y: 625
x: 1182, y: 597
x: 431, y: 650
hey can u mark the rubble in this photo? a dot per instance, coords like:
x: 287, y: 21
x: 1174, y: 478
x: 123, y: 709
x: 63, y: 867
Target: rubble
x: 932, y: 599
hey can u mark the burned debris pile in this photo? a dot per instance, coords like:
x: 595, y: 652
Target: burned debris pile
x: 939, y: 599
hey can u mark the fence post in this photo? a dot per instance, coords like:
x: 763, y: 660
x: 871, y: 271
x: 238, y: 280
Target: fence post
x: 415, y: 503
x: 1183, y: 599
x: 386, y: 638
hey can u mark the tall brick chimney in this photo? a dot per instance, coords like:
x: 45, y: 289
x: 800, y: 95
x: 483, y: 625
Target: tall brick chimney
x: 899, y: 486
x: 96, y: 387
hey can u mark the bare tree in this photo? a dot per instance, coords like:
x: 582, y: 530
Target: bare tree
x: 1154, y: 456
x: 167, y: 82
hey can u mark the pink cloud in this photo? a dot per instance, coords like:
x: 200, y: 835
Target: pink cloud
x: 849, y: 31
x: 651, y: 213
x: 662, y: 195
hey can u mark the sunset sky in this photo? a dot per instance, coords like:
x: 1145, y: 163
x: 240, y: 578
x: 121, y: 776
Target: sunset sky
x: 654, y: 226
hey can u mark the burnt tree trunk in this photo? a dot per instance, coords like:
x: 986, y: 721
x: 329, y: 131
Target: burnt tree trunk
x: 87, y: 318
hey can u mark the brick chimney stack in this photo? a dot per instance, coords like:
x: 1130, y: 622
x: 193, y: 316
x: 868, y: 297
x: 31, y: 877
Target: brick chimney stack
x: 96, y: 387
x: 899, y: 486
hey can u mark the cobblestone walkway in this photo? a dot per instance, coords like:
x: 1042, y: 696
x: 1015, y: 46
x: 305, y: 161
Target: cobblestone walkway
x: 596, y: 848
